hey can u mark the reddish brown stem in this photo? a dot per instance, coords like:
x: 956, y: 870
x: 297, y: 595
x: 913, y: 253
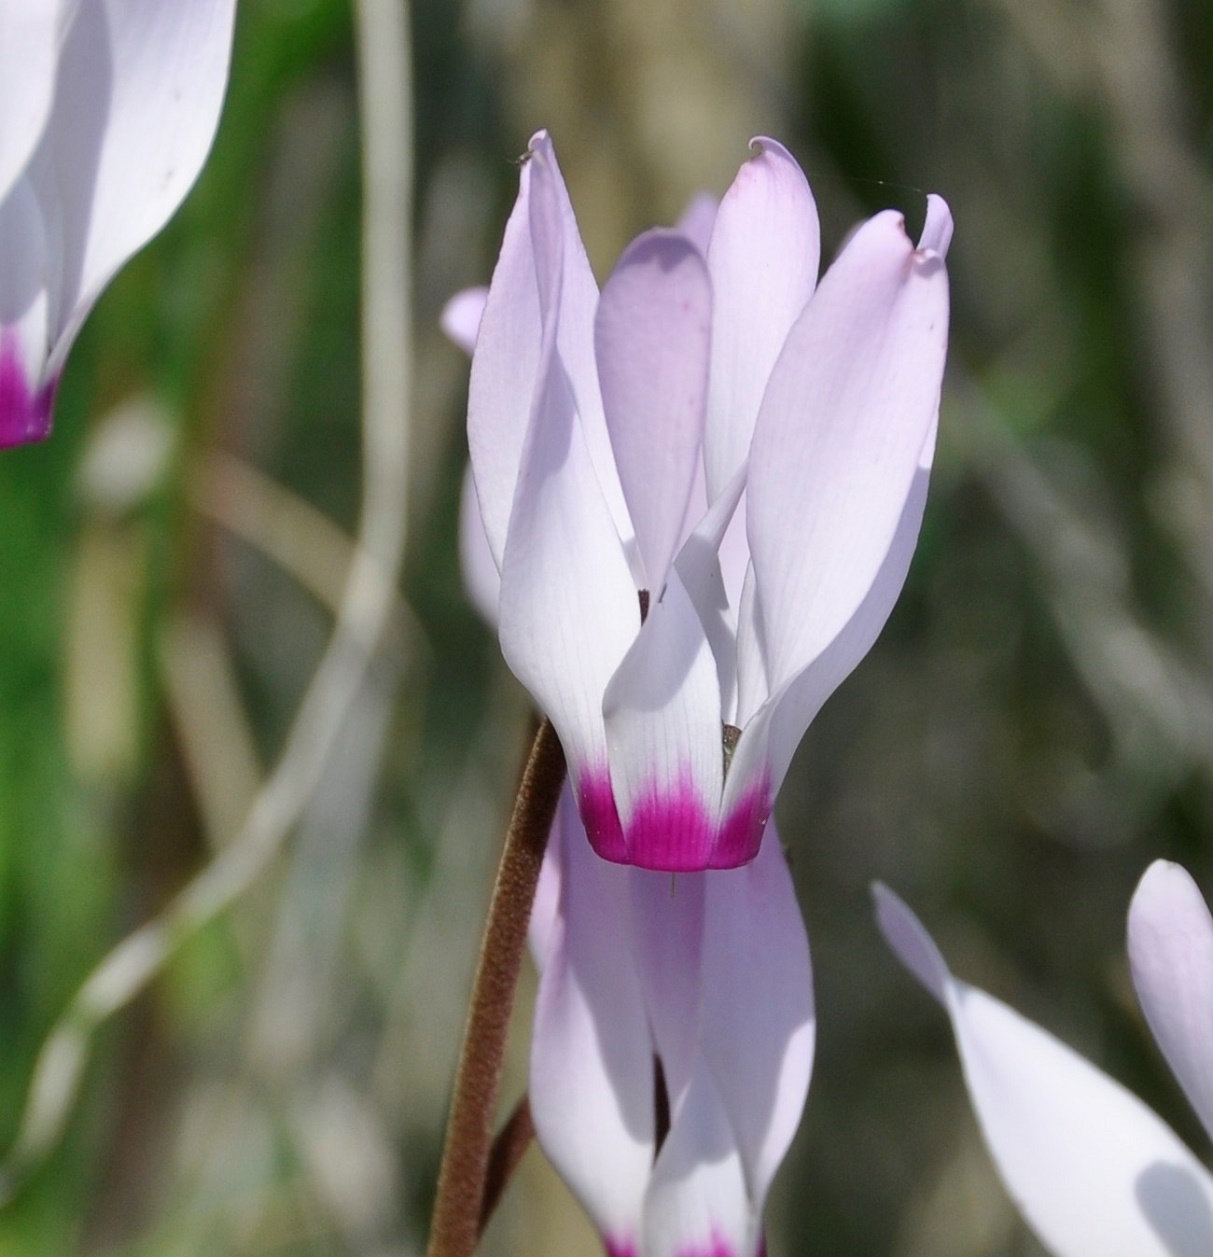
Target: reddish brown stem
x: 461, y: 1193
x: 512, y: 1141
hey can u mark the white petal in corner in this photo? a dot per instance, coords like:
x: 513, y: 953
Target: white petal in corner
x: 838, y: 441
x: 1171, y: 953
x: 1093, y: 1170
x: 763, y: 258
x: 652, y: 334
x: 29, y: 32
x: 591, y: 1083
x: 137, y: 102
x: 759, y: 1025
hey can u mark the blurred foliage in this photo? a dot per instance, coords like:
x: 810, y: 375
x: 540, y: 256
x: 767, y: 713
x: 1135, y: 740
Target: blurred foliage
x: 1035, y: 725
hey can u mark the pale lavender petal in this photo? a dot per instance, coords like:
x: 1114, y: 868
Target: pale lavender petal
x: 505, y: 372
x: 937, y: 230
x: 763, y: 259
x: 652, y: 335
x: 28, y: 44
x: 568, y: 609
x: 137, y: 101
x: 698, y: 1204
x: 1171, y: 954
x: 460, y: 317
x: 759, y: 1025
x: 840, y: 436
x: 480, y: 576
x: 663, y: 725
x: 592, y: 1080
x: 698, y: 219
x: 1092, y: 1169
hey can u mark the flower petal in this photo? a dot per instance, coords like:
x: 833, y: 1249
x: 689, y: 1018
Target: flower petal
x: 480, y: 576
x: 592, y: 1083
x: 1092, y: 1169
x: 652, y: 334
x: 28, y: 46
x: 25, y: 394
x: 568, y: 608
x: 1171, y: 954
x: 663, y: 725
x: 839, y: 438
x: 698, y: 219
x: 759, y: 1024
x: 460, y: 317
x: 137, y: 102
x: 763, y: 260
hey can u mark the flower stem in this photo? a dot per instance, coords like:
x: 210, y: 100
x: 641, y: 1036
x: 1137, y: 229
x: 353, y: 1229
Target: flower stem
x: 469, y: 1134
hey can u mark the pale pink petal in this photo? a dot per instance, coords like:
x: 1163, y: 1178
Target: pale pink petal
x: 775, y: 724
x: 137, y: 102
x: 592, y: 1080
x: 698, y: 219
x: 505, y: 372
x: 758, y: 1018
x: 763, y: 259
x: 568, y: 609
x: 480, y: 576
x: 663, y: 725
x: 1171, y: 953
x: 839, y: 439
x: 698, y: 1204
x: 652, y: 334
x: 28, y: 45
x: 460, y: 317
x: 1092, y: 1169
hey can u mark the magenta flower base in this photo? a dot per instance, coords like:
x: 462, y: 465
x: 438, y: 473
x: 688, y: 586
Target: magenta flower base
x: 24, y: 415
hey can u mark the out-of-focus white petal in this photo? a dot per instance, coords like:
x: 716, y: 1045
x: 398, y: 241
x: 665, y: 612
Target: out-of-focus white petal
x: 652, y: 334
x: 839, y: 438
x: 699, y: 1204
x: 137, y: 101
x: 663, y: 723
x: 592, y: 1083
x: 1092, y: 1169
x: 698, y: 219
x: 759, y: 1024
x: 763, y: 259
x: 28, y: 43
x: 460, y: 317
x: 25, y: 395
x: 568, y: 609
x: 1171, y: 954
x: 480, y: 576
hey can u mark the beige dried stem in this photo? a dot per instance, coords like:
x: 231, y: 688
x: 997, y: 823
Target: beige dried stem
x: 384, y: 64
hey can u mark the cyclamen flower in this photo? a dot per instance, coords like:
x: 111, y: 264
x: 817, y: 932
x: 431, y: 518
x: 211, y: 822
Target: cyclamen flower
x: 1094, y: 1172
x: 724, y: 442
x: 107, y: 112
x: 708, y: 974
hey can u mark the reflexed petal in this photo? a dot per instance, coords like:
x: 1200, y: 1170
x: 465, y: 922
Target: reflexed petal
x: 460, y: 317
x: 568, y: 609
x: 1171, y: 953
x: 591, y: 1084
x: 763, y: 259
x: 137, y: 102
x: 759, y: 1025
x: 1092, y: 1169
x: 480, y: 576
x: 652, y: 334
x: 28, y: 44
x: 663, y: 725
x: 839, y: 439
x: 698, y: 1204
x: 773, y: 730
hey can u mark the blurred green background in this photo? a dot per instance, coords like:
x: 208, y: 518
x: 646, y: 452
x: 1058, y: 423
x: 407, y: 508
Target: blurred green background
x: 1035, y: 725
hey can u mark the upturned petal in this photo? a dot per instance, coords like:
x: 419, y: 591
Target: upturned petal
x: 840, y: 437
x: 1171, y: 954
x: 29, y: 37
x: 763, y: 259
x: 1092, y: 1169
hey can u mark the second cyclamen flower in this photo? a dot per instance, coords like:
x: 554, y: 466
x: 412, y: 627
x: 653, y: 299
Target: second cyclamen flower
x: 723, y: 443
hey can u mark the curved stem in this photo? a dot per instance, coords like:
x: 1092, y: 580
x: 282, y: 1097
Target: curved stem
x: 469, y: 1133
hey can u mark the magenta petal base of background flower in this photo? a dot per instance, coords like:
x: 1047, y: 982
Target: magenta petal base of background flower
x: 718, y: 1249
x: 24, y: 416
x: 671, y: 831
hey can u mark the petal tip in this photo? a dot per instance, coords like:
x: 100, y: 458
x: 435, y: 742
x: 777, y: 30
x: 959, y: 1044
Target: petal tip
x: 910, y: 942
x: 937, y: 230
